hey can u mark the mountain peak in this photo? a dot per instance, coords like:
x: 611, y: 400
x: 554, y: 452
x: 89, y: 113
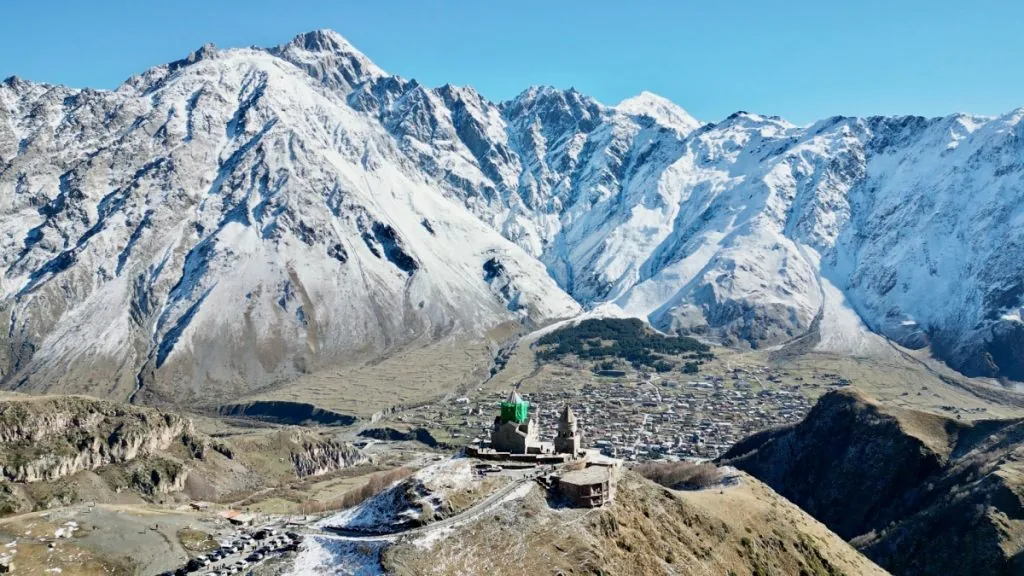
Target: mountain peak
x: 533, y: 92
x: 663, y: 110
x: 323, y: 40
x: 330, y: 58
x: 205, y: 51
x: 548, y: 96
x: 13, y: 81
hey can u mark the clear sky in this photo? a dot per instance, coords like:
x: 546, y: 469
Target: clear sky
x: 800, y: 59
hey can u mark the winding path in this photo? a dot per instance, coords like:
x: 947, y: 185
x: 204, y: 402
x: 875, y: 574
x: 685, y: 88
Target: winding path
x: 471, y: 513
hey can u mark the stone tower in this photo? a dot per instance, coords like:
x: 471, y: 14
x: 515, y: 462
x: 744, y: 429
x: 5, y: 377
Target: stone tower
x: 568, y: 439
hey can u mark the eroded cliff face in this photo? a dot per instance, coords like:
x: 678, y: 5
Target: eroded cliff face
x: 314, y: 456
x: 50, y: 438
x: 59, y: 450
x: 918, y: 493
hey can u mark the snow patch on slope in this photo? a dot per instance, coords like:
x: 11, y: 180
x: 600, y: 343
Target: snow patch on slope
x: 840, y: 328
x: 404, y: 501
x: 326, y: 556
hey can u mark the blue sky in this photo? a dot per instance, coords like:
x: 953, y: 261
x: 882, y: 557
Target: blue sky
x: 799, y: 59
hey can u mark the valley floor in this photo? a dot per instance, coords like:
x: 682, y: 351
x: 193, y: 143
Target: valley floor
x: 416, y: 407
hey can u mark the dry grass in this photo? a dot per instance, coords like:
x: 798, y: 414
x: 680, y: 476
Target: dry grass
x: 374, y: 485
x: 649, y: 530
x: 903, y: 381
x: 196, y: 541
x: 67, y: 559
x: 466, y: 499
x: 937, y: 432
x: 34, y: 556
x: 406, y: 378
x: 305, y: 495
x: 679, y: 475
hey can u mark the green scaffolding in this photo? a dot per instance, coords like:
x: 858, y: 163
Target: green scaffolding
x: 514, y: 411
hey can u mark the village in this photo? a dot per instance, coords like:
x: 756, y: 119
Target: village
x: 693, y: 419
x: 645, y: 416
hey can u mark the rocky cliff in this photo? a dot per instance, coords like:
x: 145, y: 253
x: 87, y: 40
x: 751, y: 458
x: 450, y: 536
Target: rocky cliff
x: 52, y: 437
x: 918, y: 493
x: 317, y: 456
x: 57, y: 450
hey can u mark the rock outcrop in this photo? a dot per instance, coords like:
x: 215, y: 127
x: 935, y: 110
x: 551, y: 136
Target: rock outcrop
x: 918, y: 493
x: 392, y: 434
x: 283, y: 412
x: 314, y: 456
x: 49, y: 438
x: 59, y: 450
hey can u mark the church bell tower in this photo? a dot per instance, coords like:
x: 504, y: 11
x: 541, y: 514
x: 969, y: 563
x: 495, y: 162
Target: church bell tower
x: 568, y: 439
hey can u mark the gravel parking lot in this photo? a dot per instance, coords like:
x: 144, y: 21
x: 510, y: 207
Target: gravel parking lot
x: 237, y: 555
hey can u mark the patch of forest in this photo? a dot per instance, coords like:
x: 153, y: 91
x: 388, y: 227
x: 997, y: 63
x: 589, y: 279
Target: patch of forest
x: 626, y: 339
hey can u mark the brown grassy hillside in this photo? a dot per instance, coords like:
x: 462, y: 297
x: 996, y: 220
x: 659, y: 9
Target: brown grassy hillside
x: 918, y: 493
x: 742, y: 530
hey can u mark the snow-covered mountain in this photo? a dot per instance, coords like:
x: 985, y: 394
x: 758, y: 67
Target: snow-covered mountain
x: 751, y: 230
x: 241, y: 216
x: 229, y: 221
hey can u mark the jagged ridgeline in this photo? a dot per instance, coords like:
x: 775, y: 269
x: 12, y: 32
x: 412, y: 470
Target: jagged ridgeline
x: 626, y: 339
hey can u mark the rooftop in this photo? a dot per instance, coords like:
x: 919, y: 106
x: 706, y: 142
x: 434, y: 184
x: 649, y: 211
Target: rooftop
x: 586, y: 477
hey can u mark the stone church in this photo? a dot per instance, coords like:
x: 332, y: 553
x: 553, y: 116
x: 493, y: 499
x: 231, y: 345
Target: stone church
x: 516, y: 433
